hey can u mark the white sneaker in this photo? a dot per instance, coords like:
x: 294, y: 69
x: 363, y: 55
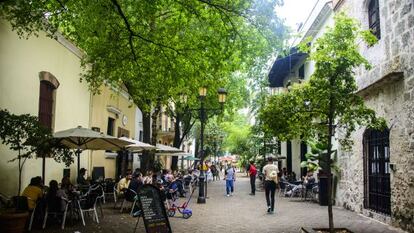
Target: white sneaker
x: 228, y: 195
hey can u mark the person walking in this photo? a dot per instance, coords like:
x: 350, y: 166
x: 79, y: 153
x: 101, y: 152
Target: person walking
x: 229, y: 176
x: 270, y: 171
x: 252, y: 173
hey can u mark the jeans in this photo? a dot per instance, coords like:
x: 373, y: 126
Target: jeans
x: 253, y: 183
x: 270, y: 190
x: 229, y: 186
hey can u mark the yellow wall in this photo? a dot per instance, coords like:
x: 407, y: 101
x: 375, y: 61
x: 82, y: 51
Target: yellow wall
x: 100, y: 114
x: 20, y: 63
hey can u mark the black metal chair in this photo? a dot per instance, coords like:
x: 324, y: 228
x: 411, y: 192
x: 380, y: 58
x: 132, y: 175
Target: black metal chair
x: 54, y: 207
x: 129, y: 196
x: 282, y: 188
x: 87, y: 203
x: 99, y: 190
x: 109, y: 189
x: 309, y: 190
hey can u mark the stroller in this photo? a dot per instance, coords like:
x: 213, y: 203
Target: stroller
x: 187, y: 213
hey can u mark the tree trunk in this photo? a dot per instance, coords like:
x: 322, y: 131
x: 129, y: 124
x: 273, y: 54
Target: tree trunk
x: 329, y: 172
x: 177, y: 141
x: 20, y: 175
x: 329, y: 151
x: 154, y: 118
x: 146, y: 158
x: 154, y: 133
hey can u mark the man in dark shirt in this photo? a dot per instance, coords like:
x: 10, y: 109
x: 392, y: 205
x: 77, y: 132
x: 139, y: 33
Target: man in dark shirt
x: 134, y: 185
x: 136, y: 182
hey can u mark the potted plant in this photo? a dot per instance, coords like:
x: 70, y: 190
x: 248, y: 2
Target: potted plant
x: 25, y: 135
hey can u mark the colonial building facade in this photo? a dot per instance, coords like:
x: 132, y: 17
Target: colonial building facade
x: 377, y: 177
x: 294, y: 68
x: 112, y: 113
x: 41, y: 76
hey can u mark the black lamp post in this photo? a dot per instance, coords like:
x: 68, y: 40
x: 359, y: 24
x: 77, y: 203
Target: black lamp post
x: 203, y: 118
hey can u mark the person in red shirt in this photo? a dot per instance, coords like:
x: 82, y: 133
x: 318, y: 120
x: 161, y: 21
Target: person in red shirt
x: 252, y: 173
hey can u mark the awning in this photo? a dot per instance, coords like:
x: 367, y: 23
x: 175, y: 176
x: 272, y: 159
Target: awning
x: 283, y: 66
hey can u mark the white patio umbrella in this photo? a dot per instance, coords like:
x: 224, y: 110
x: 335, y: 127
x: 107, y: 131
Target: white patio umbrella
x: 167, y: 150
x: 86, y: 139
x: 137, y: 145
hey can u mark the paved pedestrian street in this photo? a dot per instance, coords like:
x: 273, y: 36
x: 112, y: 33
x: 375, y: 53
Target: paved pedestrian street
x: 238, y: 213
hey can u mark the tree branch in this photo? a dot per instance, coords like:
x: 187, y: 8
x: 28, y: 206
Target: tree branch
x: 186, y: 131
x: 128, y: 26
x: 61, y: 4
x: 134, y: 34
x: 220, y: 7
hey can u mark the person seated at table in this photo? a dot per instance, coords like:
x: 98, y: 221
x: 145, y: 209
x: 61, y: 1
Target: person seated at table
x: 124, y: 182
x: 309, y: 179
x: 81, y: 177
x: 292, y: 177
x: 154, y: 179
x: 136, y: 182
x: 56, y: 197
x: 33, y: 192
x: 66, y: 185
x: 147, y: 179
x: 164, y: 174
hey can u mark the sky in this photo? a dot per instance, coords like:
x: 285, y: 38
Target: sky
x: 295, y: 11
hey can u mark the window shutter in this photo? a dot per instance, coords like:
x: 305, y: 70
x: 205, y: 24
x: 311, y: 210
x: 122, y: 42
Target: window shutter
x: 374, y: 18
x: 46, y: 104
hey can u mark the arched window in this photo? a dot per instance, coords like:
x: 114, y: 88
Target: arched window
x: 48, y: 85
x: 377, y: 191
x: 374, y: 18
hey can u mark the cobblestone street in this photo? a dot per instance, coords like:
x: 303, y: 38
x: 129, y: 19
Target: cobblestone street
x: 239, y: 213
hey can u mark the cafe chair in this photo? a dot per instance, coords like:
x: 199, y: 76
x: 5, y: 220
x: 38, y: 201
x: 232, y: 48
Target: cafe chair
x: 32, y: 215
x: 129, y: 196
x: 109, y: 190
x: 98, y: 190
x: 53, y: 207
x: 87, y: 203
x: 117, y: 194
x: 282, y: 188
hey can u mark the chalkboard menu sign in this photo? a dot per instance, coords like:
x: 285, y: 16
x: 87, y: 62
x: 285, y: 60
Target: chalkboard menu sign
x: 153, y: 209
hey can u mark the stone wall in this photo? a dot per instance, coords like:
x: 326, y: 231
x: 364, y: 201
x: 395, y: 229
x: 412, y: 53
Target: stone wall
x: 388, y: 88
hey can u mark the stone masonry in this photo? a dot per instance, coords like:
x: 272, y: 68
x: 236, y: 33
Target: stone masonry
x: 388, y: 88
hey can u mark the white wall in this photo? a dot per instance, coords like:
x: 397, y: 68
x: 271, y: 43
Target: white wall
x: 20, y: 63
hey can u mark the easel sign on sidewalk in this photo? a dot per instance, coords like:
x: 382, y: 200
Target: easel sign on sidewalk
x: 153, y: 210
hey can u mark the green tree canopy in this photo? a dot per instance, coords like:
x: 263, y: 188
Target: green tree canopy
x: 156, y: 47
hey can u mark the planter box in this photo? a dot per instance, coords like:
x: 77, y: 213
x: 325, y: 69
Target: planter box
x: 324, y: 230
x: 13, y: 222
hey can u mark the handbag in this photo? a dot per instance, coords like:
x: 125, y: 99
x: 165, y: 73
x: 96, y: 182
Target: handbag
x: 273, y: 176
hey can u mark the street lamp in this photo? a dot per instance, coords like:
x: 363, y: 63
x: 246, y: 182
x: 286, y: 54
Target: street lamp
x: 203, y: 118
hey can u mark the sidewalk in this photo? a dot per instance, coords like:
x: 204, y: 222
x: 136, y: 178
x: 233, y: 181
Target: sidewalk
x: 239, y: 213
